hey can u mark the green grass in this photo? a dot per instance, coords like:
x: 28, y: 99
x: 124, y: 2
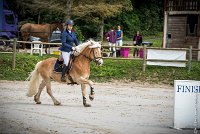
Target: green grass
x: 25, y: 63
x: 130, y: 70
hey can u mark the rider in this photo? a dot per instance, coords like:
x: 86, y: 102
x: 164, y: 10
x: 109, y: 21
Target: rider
x: 68, y: 39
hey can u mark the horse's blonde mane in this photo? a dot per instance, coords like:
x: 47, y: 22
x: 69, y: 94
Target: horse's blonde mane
x: 91, y: 43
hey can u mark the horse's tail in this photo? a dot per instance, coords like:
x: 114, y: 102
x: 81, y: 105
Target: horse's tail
x: 35, y: 78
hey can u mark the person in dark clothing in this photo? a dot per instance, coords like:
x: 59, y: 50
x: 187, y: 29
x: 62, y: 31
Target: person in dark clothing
x: 137, y: 41
x: 112, y: 38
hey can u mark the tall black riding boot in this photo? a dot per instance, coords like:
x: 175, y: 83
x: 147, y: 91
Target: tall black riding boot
x: 64, y: 69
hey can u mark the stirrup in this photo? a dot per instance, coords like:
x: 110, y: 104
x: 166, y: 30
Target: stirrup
x: 63, y: 79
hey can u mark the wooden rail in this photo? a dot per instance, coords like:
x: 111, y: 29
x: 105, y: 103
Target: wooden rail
x: 144, y: 59
x: 44, y: 43
x: 14, y: 51
x: 145, y: 48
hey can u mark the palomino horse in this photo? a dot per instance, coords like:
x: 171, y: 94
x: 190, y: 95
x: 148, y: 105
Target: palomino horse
x: 80, y: 72
x: 42, y: 31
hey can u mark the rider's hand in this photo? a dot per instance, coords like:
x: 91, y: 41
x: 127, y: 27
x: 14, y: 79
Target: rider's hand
x: 73, y: 48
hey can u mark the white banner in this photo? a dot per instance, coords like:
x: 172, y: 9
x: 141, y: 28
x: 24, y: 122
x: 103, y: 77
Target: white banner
x: 186, y: 104
x: 166, y: 55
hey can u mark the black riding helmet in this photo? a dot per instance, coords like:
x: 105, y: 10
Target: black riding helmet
x: 69, y: 22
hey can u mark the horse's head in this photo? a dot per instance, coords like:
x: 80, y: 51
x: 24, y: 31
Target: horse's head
x: 93, y: 52
x: 96, y: 50
x: 56, y: 26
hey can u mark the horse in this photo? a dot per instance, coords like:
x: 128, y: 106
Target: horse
x: 80, y: 71
x: 42, y: 31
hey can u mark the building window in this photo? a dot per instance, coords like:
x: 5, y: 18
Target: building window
x: 192, y: 24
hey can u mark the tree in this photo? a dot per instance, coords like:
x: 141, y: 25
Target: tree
x: 94, y: 16
x: 97, y: 11
x: 43, y: 6
x: 94, y: 11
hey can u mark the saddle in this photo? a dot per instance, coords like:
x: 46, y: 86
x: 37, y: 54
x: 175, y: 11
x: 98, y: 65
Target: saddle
x: 58, y: 68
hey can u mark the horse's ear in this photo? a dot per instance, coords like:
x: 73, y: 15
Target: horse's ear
x: 92, y: 42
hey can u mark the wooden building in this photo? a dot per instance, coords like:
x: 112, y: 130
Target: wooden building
x: 182, y: 25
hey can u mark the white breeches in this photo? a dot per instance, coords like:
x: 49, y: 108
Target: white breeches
x: 66, y: 56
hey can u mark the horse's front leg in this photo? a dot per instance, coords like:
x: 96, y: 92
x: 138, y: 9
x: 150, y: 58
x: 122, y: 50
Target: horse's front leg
x: 85, y: 81
x: 91, y: 95
x: 83, y: 88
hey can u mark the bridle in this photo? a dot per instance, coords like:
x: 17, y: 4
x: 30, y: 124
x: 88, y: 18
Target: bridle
x: 95, y: 59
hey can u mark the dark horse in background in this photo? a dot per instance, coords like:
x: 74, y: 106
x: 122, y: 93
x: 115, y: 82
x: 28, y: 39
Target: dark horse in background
x: 43, y: 31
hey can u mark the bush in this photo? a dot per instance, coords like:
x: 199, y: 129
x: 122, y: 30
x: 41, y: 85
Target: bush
x: 79, y: 33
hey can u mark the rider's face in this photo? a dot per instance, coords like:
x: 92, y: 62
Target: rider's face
x: 69, y: 27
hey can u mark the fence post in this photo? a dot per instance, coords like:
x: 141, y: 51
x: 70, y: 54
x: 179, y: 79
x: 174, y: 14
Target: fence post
x: 14, y: 53
x: 144, y: 57
x: 190, y: 59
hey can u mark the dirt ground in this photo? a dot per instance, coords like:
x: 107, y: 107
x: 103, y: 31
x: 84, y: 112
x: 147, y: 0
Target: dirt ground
x: 118, y: 108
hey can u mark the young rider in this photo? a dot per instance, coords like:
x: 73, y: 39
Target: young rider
x: 68, y: 39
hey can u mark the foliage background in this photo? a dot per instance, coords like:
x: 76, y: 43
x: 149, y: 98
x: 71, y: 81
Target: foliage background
x: 145, y: 16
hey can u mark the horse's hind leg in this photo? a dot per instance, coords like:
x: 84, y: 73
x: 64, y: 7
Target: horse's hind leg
x: 48, y: 85
x: 37, y: 96
x: 46, y: 47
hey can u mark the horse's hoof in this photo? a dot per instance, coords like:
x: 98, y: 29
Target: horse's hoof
x: 38, y: 102
x: 35, y: 99
x: 57, y: 103
x: 91, y: 97
x: 87, y: 105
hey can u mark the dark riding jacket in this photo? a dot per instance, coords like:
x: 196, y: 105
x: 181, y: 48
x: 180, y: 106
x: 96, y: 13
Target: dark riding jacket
x: 68, y: 39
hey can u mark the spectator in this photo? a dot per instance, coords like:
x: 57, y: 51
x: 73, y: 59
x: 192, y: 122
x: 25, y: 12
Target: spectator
x: 137, y: 41
x: 112, y: 38
x: 119, y: 42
